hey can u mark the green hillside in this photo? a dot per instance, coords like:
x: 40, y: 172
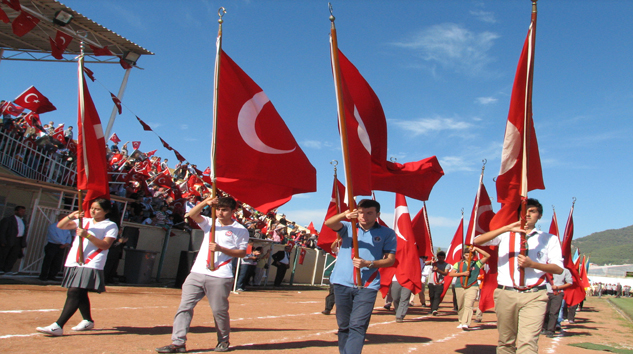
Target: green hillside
x: 608, y: 247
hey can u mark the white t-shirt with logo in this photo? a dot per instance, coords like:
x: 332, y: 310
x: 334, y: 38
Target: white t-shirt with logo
x: 100, y: 230
x: 234, y: 236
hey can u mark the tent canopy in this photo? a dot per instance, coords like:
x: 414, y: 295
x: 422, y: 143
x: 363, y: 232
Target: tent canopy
x: 35, y: 44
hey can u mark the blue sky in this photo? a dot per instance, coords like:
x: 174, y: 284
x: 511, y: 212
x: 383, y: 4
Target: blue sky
x: 443, y: 71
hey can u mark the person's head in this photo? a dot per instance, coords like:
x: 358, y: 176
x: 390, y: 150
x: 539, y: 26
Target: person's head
x: 441, y: 256
x: 466, y: 254
x: 100, y: 209
x: 368, y: 212
x: 70, y: 127
x: 20, y: 211
x: 534, y: 211
x: 225, y: 209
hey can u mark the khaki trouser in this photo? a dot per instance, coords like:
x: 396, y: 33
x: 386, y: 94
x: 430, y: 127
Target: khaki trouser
x: 465, y: 301
x: 519, y: 320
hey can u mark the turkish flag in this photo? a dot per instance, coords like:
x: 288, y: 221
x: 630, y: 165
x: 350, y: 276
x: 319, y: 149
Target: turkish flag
x: 206, y: 175
x: 367, y: 140
x: 115, y: 138
x: 480, y: 216
x: 422, y: 234
x: 337, y: 205
x: 454, y: 253
x: 147, y: 127
x: 33, y: 100
x: 92, y: 165
x: 3, y: 17
x: 100, y: 51
x: 513, y: 181
x: 10, y: 108
x: 23, y: 24
x: 117, y: 102
x: 33, y: 120
x: 251, y: 133
x: 164, y: 179
x: 90, y: 74
x: 179, y: 156
x: 136, y: 145
x: 407, y: 266
x: 575, y: 294
x: 311, y: 228
x: 167, y: 146
x: 148, y: 154
x: 584, y: 279
x: 59, y: 45
x: 553, y: 226
x: 58, y: 134
x: 115, y: 159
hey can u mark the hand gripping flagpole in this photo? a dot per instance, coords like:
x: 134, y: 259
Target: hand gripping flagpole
x: 344, y: 144
x: 216, y: 82
x: 527, y: 124
x: 82, y: 114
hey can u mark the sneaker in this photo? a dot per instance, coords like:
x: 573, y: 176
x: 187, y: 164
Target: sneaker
x: 399, y: 320
x: 459, y: 326
x: 325, y: 312
x: 412, y: 303
x: 465, y: 327
x: 53, y: 330
x: 222, y: 347
x: 434, y: 313
x: 571, y: 322
x: 84, y: 325
x: 240, y: 289
x: 172, y: 348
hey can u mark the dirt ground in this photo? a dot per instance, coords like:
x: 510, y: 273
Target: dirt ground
x: 139, y: 319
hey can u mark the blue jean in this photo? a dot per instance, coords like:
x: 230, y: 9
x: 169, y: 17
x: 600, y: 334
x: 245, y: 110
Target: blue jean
x: 353, y: 312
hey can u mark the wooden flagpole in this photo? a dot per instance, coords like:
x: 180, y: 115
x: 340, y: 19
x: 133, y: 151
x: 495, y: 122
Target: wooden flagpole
x: 344, y: 144
x: 216, y: 82
x: 82, y: 114
x: 527, y: 123
x: 428, y: 229
x: 471, y: 237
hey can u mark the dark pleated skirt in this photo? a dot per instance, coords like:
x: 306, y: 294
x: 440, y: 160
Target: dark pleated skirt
x: 84, y: 278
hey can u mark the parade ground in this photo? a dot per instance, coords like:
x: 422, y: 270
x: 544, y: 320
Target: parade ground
x: 139, y: 319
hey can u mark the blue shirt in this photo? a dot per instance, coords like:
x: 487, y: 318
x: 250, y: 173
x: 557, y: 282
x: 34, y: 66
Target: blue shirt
x: 58, y: 236
x: 372, y: 245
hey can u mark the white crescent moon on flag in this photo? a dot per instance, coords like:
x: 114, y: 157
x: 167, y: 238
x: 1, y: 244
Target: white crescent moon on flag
x: 246, y: 124
x: 511, y: 148
x: 26, y: 98
x: 457, y: 249
x: 362, y: 131
x: 63, y: 40
x: 482, y: 209
x: 400, y: 211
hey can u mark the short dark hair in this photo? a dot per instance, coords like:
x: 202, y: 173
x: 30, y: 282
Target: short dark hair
x: 441, y: 253
x: 19, y: 207
x: 532, y: 202
x: 227, y: 202
x: 369, y: 203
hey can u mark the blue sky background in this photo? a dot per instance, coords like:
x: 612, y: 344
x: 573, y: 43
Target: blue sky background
x: 443, y: 71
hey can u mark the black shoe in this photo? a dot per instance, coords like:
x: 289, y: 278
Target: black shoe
x: 172, y: 348
x: 325, y: 312
x: 222, y: 347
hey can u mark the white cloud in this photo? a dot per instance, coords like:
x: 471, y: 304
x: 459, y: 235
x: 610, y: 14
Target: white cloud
x: 485, y: 100
x: 314, y: 144
x: 426, y: 125
x: 456, y: 163
x: 184, y: 126
x: 453, y: 47
x: 484, y: 16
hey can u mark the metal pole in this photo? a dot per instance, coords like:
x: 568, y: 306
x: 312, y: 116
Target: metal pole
x: 316, y: 263
x: 237, y: 274
x: 115, y: 110
x: 294, y: 266
x: 161, y: 260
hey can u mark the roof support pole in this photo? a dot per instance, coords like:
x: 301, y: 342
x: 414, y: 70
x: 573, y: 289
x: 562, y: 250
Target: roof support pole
x: 115, y: 110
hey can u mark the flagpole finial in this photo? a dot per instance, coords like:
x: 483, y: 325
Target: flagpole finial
x: 332, y: 18
x: 483, y: 166
x: 221, y: 12
x: 573, y: 201
x: 534, y: 5
x: 393, y: 159
x: 334, y: 163
x: 553, y: 208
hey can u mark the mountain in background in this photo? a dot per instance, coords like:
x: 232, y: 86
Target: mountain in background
x: 608, y: 247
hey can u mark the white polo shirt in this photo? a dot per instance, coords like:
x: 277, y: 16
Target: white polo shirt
x: 542, y: 248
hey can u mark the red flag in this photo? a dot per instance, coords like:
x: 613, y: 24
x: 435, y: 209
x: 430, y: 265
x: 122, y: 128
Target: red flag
x: 90, y: 74
x: 178, y: 156
x: 10, y: 108
x: 136, y: 145
x: 92, y: 175
x: 148, y: 154
x: 422, y: 234
x: 72, y: 146
x: 515, y: 179
x: 23, y: 24
x: 124, y: 63
x: 165, y: 144
x: 311, y: 228
x: 33, y: 100
x: 58, y: 134
x: 454, y: 253
x: 407, y: 266
x: 553, y: 226
x: 115, y: 159
x: 164, y: 179
x: 584, y: 279
x: 206, y: 175
x: 250, y: 132
x: 575, y: 294
x: 14, y: 4
x: 3, y: 17
x: 367, y: 139
x: 33, y: 120
x: 115, y: 138
x: 59, y: 45
x: 481, y: 215
x: 337, y: 205
x: 147, y: 127
x: 117, y: 102
x: 100, y: 51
